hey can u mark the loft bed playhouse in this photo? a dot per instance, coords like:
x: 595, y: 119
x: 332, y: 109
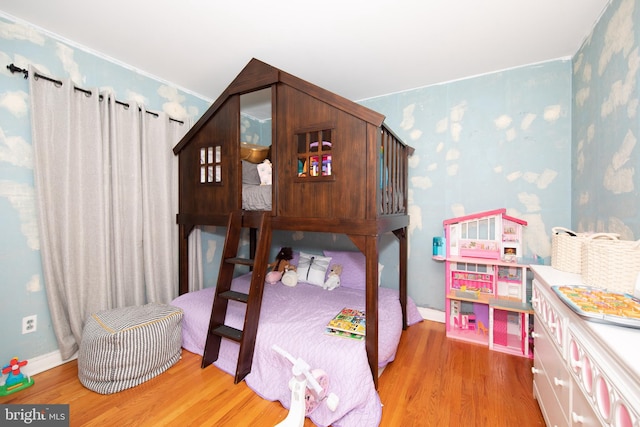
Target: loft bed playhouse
x: 336, y: 168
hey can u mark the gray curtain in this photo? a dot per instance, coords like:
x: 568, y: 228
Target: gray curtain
x: 106, y: 188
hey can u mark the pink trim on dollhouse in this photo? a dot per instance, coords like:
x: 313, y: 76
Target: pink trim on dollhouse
x: 479, y: 248
x: 479, y: 253
x: 519, y: 221
x: 501, y: 211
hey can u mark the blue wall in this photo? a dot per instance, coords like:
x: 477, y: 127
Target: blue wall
x: 501, y: 140
x: 606, y: 126
x: 22, y: 290
x: 255, y: 131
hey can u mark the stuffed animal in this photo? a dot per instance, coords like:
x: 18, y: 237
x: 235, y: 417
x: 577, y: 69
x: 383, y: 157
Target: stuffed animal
x: 333, y: 280
x: 279, y: 266
x: 290, y: 276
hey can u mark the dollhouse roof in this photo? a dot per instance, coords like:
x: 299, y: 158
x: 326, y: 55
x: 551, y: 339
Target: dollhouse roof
x: 502, y: 212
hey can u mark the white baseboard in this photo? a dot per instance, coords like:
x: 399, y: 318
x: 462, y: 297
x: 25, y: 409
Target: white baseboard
x: 51, y: 360
x: 431, y: 314
x: 46, y: 361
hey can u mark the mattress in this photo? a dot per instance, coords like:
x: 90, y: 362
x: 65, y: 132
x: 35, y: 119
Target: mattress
x: 295, y: 319
x: 256, y: 197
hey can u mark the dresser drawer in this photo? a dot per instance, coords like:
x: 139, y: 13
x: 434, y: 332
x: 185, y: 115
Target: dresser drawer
x: 600, y: 385
x: 548, y: 363
x: 549, y: 317
x: 591, y: 367
x: 582, y: 412
x: 544, y: 393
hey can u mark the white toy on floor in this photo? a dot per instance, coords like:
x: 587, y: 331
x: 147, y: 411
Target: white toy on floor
x: 308, y: 390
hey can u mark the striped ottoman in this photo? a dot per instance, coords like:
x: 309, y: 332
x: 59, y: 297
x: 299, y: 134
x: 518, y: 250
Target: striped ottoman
x: 124, y: 347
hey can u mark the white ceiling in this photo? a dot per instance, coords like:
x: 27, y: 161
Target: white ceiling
x: 356, y: 48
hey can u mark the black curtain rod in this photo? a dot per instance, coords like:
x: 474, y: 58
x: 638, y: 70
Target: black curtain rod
x: 14, y: 69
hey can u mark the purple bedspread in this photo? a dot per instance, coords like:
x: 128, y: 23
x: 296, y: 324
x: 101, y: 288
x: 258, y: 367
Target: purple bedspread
x: 295, y: 318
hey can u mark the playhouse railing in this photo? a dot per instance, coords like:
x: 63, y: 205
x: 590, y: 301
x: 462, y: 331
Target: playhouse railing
x: 393, y: 173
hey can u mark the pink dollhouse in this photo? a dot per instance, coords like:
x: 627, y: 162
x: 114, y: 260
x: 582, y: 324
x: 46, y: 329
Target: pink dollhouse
x: 491, y: 234
x: 486, y: 288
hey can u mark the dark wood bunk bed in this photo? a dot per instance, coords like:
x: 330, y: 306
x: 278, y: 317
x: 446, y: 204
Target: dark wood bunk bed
x: 363, y: 193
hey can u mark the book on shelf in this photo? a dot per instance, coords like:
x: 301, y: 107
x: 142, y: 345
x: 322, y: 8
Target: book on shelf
x: 349, y: 323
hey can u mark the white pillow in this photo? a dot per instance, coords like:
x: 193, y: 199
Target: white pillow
x: 354, y: 272
x: 312, y: 268
x: 264, y: 171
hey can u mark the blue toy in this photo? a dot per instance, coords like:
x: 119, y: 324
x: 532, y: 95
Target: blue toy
x: 16, y: 380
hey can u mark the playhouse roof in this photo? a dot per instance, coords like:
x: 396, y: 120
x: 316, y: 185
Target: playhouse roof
x: 258, y: 75
x: 502, y: 212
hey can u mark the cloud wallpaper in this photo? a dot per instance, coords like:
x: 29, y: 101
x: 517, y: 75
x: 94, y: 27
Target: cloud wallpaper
x: 554, y: 143
x: 605, y: 129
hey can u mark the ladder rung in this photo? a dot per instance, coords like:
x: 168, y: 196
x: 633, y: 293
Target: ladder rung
x: 235, y: 296
x: 240, y: 261
x: 228, y: 332
x: 217, y: 329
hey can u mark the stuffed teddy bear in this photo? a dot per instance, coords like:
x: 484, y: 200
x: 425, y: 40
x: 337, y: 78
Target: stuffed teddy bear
x: 279, y: 266
x: 333, y: 280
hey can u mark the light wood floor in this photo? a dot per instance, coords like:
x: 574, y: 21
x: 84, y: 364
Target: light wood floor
x: 433, y: 382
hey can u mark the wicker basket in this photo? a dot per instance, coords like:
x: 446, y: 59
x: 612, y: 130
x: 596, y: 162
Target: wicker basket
x: 611, y: 264
x: 253, y: 153
x: 566, y: 249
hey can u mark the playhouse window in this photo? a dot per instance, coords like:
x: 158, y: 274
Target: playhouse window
x: 315, y: 154
x: 210, y: 164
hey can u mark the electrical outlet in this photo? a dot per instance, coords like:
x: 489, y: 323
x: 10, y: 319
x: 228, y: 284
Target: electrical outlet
x: 29, y: 324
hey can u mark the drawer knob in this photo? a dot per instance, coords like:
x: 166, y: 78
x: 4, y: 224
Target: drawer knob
x: 535, y: 335
x: 578, y: 419
x: 558, y: 382
x: 535, y: 370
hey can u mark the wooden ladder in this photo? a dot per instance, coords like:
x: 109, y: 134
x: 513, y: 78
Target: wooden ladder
x: 217, y: 329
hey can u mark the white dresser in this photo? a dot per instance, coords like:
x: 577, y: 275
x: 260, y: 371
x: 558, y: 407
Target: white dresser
x: 585, y: 373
